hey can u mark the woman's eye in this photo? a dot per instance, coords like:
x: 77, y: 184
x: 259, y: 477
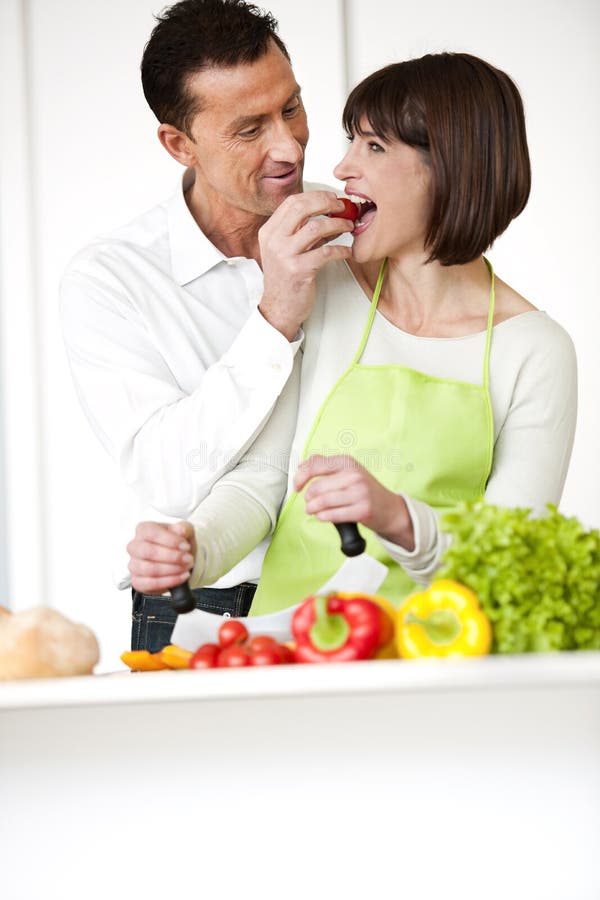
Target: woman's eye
x: 375, y: 147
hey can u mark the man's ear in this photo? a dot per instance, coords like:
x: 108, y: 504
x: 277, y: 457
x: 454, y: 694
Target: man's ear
x: 177, y: 144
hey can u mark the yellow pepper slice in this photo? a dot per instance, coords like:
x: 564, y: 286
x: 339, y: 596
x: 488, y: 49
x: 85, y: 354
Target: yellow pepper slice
x: 445, y: 620
x: 143, y: 661
x: 176, y: 657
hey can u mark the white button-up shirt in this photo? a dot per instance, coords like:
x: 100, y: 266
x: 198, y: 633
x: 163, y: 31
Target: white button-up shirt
x: 174, y: 366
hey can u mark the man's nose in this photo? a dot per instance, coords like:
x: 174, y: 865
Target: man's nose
x: 287, y: 145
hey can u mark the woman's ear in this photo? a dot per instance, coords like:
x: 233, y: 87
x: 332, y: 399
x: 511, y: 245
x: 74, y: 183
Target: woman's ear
x: 177, y: 144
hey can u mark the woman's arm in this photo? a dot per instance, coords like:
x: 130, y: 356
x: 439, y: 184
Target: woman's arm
x: 239, y: 512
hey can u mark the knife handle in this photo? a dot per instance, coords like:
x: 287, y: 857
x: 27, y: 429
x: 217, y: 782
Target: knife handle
x: 353, y: 542
x: 182, y: 599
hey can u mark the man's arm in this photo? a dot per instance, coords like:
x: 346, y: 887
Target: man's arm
x: 173, y: 435
x: 171, y: 444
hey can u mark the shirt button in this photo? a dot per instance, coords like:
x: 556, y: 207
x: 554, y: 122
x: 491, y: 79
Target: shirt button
x: 232, y: 262
x: 276, y: 367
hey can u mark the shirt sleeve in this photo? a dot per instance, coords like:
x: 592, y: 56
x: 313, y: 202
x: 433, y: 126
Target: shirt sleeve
x: 244, y: 504
x: 531, y: 453
x: 171, y: 445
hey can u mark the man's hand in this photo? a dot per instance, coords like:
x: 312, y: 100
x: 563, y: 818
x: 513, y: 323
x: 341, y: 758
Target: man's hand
x: 161, y: 556
x: 341, y: 490
x: 293, y: 247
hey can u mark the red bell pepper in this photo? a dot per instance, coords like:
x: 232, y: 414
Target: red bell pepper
x: 334, y: 629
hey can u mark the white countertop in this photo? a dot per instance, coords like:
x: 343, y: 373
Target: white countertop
x: 485, y: 673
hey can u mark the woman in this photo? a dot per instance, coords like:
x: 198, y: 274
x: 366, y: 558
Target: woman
x: 426, y: 380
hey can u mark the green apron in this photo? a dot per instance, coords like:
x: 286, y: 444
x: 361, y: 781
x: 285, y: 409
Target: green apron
x: 430, y: 438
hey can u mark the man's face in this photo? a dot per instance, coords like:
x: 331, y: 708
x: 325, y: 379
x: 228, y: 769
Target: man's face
x: 250, y: 136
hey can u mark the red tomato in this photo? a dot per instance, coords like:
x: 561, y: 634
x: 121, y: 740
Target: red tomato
x: 285, y: 654
x: 232, y: 631
x: 262, y: 642
x: 268, y: 656
x: 205, y: 657
x: 233, y: 656
x: 350, y: 211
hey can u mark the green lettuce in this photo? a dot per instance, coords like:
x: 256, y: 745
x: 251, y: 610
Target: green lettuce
x: 538, y: 579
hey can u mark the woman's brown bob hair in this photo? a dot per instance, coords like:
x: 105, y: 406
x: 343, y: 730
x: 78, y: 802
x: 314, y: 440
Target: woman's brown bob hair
x: 467, y: 119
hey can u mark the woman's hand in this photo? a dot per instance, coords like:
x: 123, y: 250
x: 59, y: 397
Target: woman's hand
x: 341, y: 490
x: 161, y: 556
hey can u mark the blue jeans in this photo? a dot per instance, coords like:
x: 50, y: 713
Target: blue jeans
x: 153, y: 619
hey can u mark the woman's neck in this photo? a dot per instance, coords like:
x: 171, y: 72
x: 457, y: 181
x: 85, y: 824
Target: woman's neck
x: 429, y: 299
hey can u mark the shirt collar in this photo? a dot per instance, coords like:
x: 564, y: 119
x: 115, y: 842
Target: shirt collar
x: 192, y: 254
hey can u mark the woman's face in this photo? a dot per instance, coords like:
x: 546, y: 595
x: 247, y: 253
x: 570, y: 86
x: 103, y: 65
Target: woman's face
x: 396, y: 180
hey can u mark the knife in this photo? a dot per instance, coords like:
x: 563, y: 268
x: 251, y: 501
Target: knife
x: 359, y: 573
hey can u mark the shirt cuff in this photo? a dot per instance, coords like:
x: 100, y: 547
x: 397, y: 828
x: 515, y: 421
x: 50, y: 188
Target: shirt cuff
x: 421, y: 562
x: 258, y: 341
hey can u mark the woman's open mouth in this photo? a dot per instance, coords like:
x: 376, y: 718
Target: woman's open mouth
x: 367, y: 211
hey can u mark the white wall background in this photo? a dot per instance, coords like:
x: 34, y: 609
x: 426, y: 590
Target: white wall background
x: 79, y: 156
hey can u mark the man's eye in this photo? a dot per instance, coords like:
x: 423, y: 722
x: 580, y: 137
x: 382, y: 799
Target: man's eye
x: 291, y: 110
x: 249, y: 132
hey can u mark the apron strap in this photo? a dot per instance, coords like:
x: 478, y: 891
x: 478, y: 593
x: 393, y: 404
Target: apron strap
x: 371, y: 316
x: 490, y: 320
x: 490, y: 323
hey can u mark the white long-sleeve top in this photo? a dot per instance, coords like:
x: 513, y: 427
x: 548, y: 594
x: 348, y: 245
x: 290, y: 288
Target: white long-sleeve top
x: 174, y: 366
x: 533, y: 388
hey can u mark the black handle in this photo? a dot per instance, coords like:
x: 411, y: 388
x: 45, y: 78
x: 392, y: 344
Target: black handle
x: 182, y: 599
x: 353, y: 542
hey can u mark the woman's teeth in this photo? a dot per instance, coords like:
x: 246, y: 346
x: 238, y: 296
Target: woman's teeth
x: 364, y: 206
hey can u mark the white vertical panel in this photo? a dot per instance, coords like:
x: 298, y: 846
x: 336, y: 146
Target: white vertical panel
x: 549, y: 254
x: 314, y: 36
x: 19, y: 326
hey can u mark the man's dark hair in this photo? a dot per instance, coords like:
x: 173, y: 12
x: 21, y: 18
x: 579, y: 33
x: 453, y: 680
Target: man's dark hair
x: 466, y: 118
x: 200, y: 34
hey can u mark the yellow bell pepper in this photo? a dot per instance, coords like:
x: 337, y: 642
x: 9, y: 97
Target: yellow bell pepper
x: 445, y: 620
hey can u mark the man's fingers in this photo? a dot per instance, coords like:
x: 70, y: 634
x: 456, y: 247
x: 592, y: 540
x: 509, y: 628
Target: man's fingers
x: 297, y: 209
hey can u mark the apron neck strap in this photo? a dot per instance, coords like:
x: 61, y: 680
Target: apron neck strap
x: 490, y: 320
x: 490, y: 323
x: 371, y: 316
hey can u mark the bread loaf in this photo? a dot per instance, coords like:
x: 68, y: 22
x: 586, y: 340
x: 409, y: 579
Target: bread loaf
x: 42, y: 643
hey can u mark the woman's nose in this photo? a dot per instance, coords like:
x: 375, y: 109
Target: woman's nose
x: 343, y: 169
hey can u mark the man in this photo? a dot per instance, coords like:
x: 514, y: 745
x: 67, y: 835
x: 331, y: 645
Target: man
x: 177, y: 353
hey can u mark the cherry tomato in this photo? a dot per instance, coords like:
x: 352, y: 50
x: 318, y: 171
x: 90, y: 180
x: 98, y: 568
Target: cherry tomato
x: 286, y: 655
x: 205, y: 657
x: 233, y: 656
x: 232, y: 631
x: 350, y: 211
x: 268, y: 656
x: 262, y: 642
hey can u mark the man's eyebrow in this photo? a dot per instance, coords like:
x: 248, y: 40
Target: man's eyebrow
x: 245, y: 121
